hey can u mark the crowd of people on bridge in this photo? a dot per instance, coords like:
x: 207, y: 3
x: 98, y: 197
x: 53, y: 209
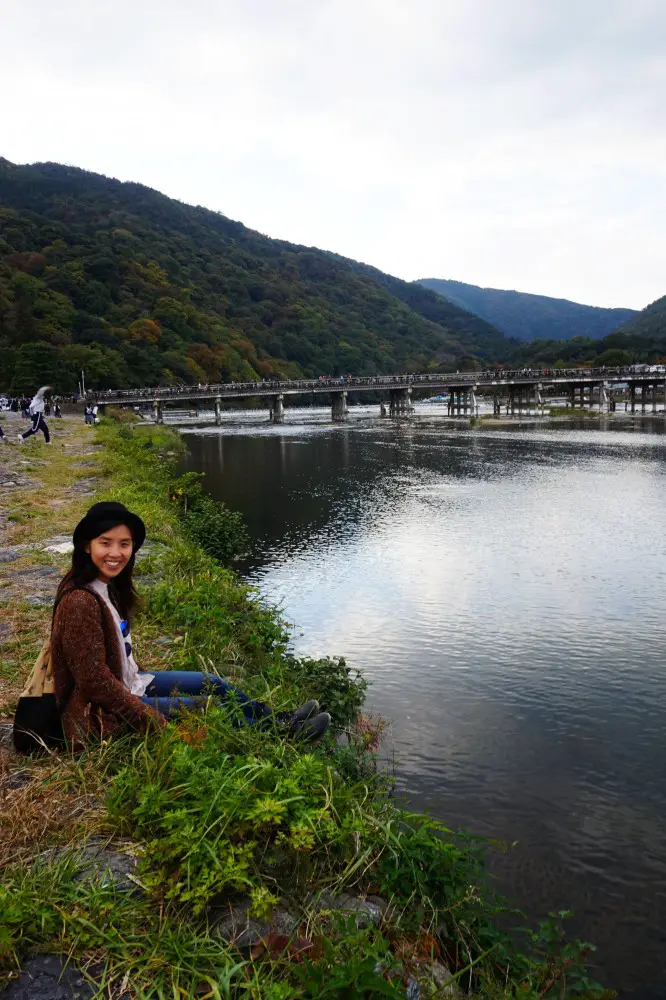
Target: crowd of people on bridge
x: 328, y: 382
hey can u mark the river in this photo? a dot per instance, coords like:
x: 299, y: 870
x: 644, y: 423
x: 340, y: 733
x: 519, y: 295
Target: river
x: 503, y: 589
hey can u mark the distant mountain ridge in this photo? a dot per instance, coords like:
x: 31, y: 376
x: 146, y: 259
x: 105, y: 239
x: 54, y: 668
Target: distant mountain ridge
x: 527, y: 317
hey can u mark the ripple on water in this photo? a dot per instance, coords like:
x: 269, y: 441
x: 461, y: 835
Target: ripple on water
x: 503, y: 591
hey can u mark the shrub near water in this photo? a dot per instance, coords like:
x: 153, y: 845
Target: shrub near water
x: 220, y: 809
x: 218, y: 531
x: 223, y: 807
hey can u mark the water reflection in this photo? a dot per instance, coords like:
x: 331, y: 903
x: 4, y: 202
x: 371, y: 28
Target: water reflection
x: 503, y: 590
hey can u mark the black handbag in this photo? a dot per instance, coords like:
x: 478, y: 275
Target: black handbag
x: 37, y: 722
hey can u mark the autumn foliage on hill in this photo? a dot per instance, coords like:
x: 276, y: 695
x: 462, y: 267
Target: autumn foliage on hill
x: 136, y: 288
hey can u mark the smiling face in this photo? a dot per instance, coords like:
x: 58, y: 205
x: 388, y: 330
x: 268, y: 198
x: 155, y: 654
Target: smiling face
x: 111, y: 552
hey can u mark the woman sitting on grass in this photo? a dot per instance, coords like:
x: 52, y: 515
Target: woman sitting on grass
x: 98, y: 685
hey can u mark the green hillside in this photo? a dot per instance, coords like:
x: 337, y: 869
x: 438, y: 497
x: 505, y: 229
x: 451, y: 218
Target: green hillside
x: 624, y: 347
x: 649, y: 324
x: 136, y: 288
x: 531, y: 317
x: 641, y: 341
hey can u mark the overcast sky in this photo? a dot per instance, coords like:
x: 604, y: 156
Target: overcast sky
x: 509, y: 143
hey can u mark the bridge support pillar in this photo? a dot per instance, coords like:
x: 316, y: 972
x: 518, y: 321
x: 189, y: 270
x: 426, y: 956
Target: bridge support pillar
x: 654, y: 397
x: 218, y: 412
x: 473, y: 401
x: 158, y: 415
x: 382, y: 409
x: 632, y: 396
x: 277, y: 409
x: 400, y: 403
x: 603, y: 398
x: 339, y: 406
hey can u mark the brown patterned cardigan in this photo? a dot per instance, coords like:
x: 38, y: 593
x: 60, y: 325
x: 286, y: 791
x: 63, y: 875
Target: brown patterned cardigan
x: 87, y: 671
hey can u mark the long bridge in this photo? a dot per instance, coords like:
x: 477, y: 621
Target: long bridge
x: 519, y: 388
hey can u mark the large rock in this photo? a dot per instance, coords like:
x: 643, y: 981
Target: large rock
x: 60, y: 548
x: 234, y: 923
x: 6, y: 737
x: 435, y: 976
x: 368, y: 911
x: 49, y: 977
x: 11, y: 553
x: 112, y: 863
x: 14, y: 780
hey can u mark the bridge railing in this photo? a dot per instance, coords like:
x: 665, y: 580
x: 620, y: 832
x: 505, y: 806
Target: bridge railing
x: 325, y: 383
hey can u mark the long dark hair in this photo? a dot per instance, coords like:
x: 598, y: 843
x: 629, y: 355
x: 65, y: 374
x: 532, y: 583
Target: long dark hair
x: 84, y: 571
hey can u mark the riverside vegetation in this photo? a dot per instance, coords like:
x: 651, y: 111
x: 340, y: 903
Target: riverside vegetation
x: 216, y: 812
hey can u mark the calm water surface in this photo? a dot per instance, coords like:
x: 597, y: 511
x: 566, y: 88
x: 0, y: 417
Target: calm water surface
x: 503, y: 590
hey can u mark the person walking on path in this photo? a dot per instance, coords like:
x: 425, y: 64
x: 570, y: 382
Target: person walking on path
x: 37, y: 413
x: 99, y: 688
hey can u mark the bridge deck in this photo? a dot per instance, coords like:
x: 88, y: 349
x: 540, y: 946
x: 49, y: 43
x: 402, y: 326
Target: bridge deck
x: 486, y: 380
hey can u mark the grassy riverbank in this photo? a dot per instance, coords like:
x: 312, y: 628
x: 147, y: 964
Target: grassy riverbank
x: 337, y: 891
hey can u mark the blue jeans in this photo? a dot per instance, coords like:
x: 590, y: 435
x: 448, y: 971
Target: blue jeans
x: 171, y: 691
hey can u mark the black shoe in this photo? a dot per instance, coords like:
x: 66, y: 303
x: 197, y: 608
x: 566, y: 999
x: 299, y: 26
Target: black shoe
x: 288, y: 721
x: 312, y: 729
x: 306, y: 710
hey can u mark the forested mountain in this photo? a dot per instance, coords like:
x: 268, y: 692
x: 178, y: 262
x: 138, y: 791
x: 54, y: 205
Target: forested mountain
x: 136, y: 288
x: 531, y: 317
x: 642, y: 341
x: 649, y: 323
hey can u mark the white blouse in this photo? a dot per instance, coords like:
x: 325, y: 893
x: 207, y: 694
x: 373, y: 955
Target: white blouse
x: 135, y: 680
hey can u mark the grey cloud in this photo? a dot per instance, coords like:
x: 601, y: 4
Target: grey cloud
x: 491, y: 140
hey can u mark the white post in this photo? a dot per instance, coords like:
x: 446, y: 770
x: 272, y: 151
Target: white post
x: 603, y: 398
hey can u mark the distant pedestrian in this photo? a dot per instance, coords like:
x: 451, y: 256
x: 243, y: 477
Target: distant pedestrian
x: 56, y: 410
x: 88, y: 414
x: 37, y: 413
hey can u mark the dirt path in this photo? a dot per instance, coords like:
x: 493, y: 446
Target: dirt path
x: 44, y: 490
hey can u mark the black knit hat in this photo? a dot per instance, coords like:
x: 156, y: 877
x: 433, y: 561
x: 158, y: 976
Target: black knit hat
x: 105, y: 515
